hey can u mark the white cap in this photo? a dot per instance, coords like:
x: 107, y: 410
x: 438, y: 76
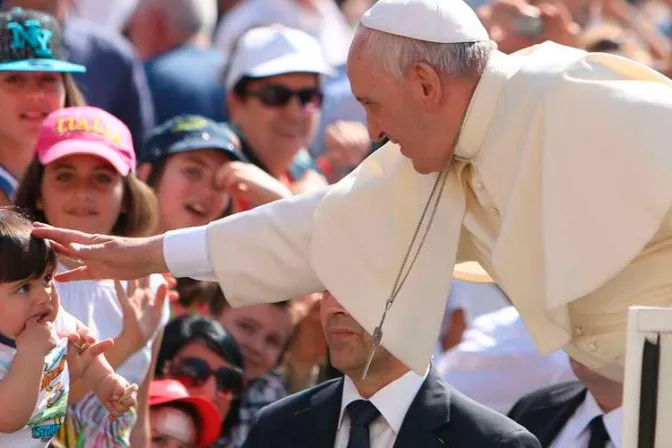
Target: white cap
x: 441, y: 21
x: 275, y: 50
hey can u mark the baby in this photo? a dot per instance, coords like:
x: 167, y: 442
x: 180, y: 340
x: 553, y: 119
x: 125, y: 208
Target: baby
x: 42, y: 347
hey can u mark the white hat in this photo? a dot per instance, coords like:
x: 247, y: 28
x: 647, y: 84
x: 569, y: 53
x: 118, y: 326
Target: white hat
x: 441, y: 21
x: 275, y: 50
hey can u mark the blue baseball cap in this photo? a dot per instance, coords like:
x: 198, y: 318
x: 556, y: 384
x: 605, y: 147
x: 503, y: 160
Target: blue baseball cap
x: 190, y: 133
x: 31, y: 41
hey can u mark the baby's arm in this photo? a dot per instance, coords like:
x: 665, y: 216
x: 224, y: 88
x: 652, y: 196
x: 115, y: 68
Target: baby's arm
x: 20, y: 388
x: 97, y: 375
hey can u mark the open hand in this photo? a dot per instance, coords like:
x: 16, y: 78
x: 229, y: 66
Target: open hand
x: 104, y: 256
x: 142, y: 310
x: 347, y: 143
x: 83, y: 349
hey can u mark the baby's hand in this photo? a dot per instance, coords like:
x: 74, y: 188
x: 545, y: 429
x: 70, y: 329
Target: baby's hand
x: 83, y: 349
x: 116, y: 395
x: 38, y: 337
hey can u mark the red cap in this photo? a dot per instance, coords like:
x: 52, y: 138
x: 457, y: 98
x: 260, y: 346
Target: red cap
x: 171, y: 391
x: 86, y: 130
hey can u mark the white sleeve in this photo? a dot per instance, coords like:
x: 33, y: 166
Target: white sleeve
x: 264, y: 255
x: 186, y: 253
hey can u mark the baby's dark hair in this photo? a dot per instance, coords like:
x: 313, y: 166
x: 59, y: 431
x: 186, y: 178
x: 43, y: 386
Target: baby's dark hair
x: 22, y: 255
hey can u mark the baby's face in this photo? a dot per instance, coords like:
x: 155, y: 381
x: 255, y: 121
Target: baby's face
x: 24, y: 299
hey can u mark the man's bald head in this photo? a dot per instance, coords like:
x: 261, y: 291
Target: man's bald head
x: 161, y: 25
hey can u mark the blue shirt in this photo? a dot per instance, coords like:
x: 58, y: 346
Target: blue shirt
x: 186, y: 80
x: 115, y: 80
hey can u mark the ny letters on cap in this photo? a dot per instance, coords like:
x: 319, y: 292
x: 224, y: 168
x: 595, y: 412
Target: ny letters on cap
x: 440, y: 21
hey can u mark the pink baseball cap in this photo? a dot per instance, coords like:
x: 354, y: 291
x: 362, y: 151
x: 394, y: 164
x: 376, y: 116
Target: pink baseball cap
x: 86, y: 130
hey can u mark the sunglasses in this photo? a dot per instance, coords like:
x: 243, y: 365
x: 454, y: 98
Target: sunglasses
x: 276, y: 95
x: 194, y: 372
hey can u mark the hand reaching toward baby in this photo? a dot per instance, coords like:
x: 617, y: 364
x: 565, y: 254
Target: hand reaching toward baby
x: 118, y: 397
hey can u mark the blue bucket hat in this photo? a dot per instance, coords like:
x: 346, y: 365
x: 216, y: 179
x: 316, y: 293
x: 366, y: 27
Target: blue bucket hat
x: 190, y: 133
x: 31, y: 41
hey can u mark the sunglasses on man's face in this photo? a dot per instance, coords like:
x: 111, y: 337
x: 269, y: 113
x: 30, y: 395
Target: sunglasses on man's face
x: 194, y: 372
x: 275, y: 95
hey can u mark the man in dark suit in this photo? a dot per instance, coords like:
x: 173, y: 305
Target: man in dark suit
x: 578, y: 414
x: 391, y: 407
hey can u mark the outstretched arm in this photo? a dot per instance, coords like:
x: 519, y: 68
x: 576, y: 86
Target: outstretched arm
x: 262, y: 255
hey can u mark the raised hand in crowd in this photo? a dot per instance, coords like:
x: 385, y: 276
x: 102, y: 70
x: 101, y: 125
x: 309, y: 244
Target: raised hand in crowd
x: 517, y: 24
x: 142, y: 310
x: 347, y: 143
x: 250, y: 183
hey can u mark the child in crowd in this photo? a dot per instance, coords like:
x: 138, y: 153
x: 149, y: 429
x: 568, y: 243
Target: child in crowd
x: 35, y: 80
x: 36, y: 362
x: 180, y: 419
x: 199, y: 174
x: 195, y: 166
x: 83, y: 179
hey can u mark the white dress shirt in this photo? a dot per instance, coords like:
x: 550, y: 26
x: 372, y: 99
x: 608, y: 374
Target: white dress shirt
x: 497, y: 361
x: 392, y: 401
x: 576, y: 434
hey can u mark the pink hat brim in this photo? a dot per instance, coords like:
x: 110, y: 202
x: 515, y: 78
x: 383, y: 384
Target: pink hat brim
x: 84, y: 147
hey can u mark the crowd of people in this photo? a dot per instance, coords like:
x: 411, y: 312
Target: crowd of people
x: 134, y: 118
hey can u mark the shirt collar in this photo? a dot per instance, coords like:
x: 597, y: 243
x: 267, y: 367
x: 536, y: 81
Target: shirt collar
x: 588, y: 410
x: 392, y: 401
x: 482, y: 107
x: 8, y: 183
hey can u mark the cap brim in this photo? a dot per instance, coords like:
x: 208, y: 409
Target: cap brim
x: 471, y: 272
x: 42, y: 65
x: 181, y: 147
x: 211, y: 419
x: 78, y: 147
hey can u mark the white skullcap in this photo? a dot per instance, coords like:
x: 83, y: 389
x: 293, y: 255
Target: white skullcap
x: 441, y: 21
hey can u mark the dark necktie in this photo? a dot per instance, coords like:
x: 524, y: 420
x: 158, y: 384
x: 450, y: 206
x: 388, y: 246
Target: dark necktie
x: 361, y: 413
x: 598, y: 433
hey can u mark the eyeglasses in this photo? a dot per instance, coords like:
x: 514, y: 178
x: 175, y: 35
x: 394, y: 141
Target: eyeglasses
x: 276, y: 95
x: 194, y: 372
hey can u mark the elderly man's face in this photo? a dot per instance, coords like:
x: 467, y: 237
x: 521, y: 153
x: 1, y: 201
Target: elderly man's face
x: 402, y: 110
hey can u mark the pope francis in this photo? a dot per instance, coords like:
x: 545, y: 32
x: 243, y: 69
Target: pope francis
x: 550, y: 167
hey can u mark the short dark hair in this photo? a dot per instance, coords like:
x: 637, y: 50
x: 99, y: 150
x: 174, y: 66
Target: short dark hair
x: 140, y: 217
x: 218, y: 303
x: 23, y: 256
x: 194, y: 328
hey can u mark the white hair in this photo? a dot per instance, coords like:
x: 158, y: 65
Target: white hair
x: 395, y: 54
x: 189, y: 16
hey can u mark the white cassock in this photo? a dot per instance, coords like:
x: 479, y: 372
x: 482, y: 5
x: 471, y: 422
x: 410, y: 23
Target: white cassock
x: 561, y: 189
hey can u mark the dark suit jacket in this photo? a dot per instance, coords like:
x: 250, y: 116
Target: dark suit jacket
x: 437, y: 417
x: 546, y: 411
